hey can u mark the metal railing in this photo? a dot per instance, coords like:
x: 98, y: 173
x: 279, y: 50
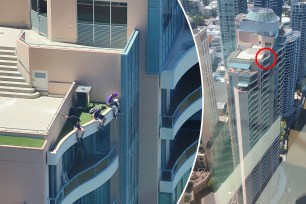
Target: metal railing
x: 85, y: 176
x: 39, y: 23
x: 168, y: 175
x: 168, y: 121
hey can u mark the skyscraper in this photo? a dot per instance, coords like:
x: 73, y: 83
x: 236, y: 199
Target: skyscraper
x: 228, y: 10
x: 292, y: 57
x: 254, y: 94
x: 298, y: 23
x: 69, y: 56
x: 275, y: 5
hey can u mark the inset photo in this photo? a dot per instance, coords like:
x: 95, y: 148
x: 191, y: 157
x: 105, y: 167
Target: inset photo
x: 251, y: 57
x: 100, y: 101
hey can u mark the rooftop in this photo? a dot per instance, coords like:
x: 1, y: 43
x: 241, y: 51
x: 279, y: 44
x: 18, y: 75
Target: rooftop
x: 8, y: 36
x: 28, y: 115
x: 250, y: 53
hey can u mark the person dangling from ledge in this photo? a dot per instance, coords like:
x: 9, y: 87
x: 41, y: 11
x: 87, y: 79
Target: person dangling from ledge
x: 96, y: 114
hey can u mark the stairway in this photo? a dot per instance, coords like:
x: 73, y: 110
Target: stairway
x: 12, y: 84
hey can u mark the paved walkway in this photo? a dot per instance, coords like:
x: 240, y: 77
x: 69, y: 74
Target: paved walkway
x: 8, y: 36
x: 28, y: 114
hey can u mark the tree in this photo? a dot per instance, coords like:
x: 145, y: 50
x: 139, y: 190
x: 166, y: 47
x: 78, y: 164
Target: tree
x: 199, y: 20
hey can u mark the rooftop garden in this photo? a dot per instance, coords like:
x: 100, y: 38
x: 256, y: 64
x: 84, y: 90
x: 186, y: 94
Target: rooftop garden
x: 21, y: 141
x: 84, y: 116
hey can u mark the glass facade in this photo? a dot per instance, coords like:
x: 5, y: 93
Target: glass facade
x: 102, y: 23
x: 165, y: 20
x: 173, y: 198
x: 100, y: 195
x: 79, y: 161
x: 129, y: 139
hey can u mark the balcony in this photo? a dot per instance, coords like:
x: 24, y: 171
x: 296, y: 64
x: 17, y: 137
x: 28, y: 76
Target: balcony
x: 170, y: 124
x: 183, y: 58
x: 173, y: 174
x: 80, y: 184
x: 67, y: 137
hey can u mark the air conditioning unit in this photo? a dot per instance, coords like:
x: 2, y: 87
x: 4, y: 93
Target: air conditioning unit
x: 82, y: 96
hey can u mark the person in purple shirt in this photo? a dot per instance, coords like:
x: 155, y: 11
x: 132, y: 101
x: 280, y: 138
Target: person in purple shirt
x: 112, y: 103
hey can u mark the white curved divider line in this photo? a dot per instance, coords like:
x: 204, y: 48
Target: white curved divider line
x: 169, y: 186
x: 70, y: 139
x: 169, y: 78
x: 169, y: 133
x: 93, y: 183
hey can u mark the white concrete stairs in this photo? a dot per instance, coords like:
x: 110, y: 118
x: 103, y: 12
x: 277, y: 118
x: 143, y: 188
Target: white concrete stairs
x: 12, y: 84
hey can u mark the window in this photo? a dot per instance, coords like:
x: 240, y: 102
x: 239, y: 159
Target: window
x: 102, y: 23
x: 119, y: 13
x: 85, y: 13
x: 102, y: 12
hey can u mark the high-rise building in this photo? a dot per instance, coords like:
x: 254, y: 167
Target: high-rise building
x: 74, y: 56
x: 227, y: 11
x: 275, y: 5
x: 298, y: 23
x: 210, y: 116
x: 254, y: 94
x: 292, y: 57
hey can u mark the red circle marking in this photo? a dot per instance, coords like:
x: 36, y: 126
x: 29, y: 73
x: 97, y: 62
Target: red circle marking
x: 274, y: 62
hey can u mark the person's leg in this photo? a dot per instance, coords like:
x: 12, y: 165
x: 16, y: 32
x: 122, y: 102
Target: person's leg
x: 80, y: 131
x: 115, y: 111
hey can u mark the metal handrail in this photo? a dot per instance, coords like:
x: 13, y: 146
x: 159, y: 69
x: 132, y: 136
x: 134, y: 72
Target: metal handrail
x: 169, y: 120
x: 168, y: 175
x: 85, y: 175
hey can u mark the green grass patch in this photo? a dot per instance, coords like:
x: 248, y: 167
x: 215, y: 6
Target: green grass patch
x: 84, y: 116
x: 21, y: 141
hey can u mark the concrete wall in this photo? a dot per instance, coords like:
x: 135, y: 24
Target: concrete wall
x: 99, y: 69
x: 22, y: 175
x: 149, y: 109
x: 15, y: 13
x: 62, y: 20
x: 23, y: 60
x: 209, y: 107
x: 244, y: 36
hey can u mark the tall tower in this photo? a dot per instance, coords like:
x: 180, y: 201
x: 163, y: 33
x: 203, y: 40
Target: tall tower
x: 275, y: 5
x: 292, y: 55
x: 254, y: 94
x: 228, y: 10
x: 298, y: 22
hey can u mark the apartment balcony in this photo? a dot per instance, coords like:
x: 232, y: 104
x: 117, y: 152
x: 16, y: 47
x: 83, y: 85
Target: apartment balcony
x: 182, y: 58
x: 180, y: 113
x: 180, y: 162
x: 87, y: 176
x: 68, y: 137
